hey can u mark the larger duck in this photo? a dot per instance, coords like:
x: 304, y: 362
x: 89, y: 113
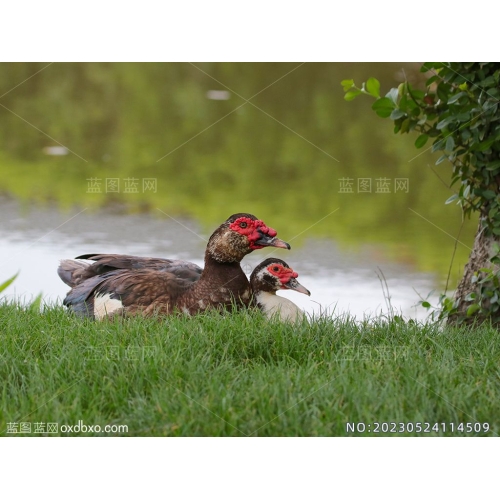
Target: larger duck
x: 127, y: 285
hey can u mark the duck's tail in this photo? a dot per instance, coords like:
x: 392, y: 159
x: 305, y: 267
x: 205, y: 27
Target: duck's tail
x: 72, y: 271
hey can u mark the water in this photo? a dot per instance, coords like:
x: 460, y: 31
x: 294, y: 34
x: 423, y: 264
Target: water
x: 104, y: 154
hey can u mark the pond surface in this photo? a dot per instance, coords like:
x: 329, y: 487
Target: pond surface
x: 104, y: 157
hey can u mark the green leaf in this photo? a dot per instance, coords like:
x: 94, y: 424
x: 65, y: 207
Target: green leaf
x: 426, y: 304
x: 488, y: 82
x: 373, y: 87
x: 462, y: 117
x: 421, y: 140
x: 493, y: 165
x: 471, y: 296
x: 483, y: 146
x: 396, y: 114
x: 450, y: 144
x: 403, y: 104
x: 443, y: 91
x: 393, y: 96
x: 5, y: 284
x: 437, y: 146
x: 488, y: 194
x: 418, y: 94
x: 456, y: 97
x: 441, y: 159
x: 485, y: 270
x: 452, y: 198
x: 405, y: 126
x: 473, y: 308
x: 349, y: 96
x: 383, y: 107
x: 444, y: 123
x: 432, y: 79
x: 347, y: 84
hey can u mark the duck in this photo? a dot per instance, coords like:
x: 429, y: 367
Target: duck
x: 107, y: 285
x: 266, y: 279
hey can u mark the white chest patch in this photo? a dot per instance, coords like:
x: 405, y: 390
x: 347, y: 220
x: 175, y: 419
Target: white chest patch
x: 274, y: 304
x: 104, y: 305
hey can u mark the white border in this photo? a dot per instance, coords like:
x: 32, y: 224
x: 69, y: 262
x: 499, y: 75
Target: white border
x: 240, y: 468
x: 261, y: 30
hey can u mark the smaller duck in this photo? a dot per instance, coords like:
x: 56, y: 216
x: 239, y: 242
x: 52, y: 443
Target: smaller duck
x: 266, y: 279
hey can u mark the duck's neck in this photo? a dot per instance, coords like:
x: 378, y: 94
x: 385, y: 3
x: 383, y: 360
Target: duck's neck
x: 266, y: 299
x: 221, y: 283
x: 214, y: 268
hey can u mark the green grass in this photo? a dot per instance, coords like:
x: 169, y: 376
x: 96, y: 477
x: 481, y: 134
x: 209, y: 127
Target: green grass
x: 237, y: 375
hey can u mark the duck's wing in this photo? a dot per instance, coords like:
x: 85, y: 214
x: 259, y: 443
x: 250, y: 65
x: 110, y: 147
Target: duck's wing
x: 74, y: 272
x: 124, y: 292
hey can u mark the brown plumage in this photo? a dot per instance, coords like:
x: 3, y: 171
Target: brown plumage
x: 123, y: 284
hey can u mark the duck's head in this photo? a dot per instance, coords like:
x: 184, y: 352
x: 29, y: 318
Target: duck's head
x: 272, y: 275
x: 239, y: 235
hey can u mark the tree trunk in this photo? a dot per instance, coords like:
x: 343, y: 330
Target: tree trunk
x: 479, y: 258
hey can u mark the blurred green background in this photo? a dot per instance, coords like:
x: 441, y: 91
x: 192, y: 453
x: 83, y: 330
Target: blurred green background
x: 214, y: 154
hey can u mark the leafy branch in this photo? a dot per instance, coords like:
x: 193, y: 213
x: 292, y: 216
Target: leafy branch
x: 458, y: 110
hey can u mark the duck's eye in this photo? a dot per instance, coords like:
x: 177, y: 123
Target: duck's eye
x: 276, y: 269
x: 243, y: 225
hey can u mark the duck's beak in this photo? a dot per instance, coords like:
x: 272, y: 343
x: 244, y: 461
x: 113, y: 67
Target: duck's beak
x: 293, y: 284
x: 267, y: 241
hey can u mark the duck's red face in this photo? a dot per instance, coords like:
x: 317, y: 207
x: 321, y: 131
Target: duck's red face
x: 257, y: 233
x: 287, y: 277
x: 282, y: 273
